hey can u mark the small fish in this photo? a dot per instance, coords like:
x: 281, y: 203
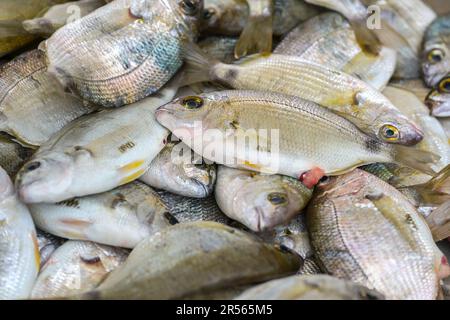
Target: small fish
x: 347, y: 96
x: 59, y: 15
x: 96, y: 153
x: 329, y: 40
x: 76, y: 267
x: 260, y: 202
x: 123, y: 51
x: 309, y: 287
x: 235, y: 116
x: 48, y: 243
x: 364, y: 230
x: 121, y: 217
x: 12, y: 155
x: 438, y: 100
x: 33, y: 104
x: 439, y: 222
x: 436, y: 51
x: 192, y: 258
x: 175, y: 170
x: 220, y: 48
x: 19, y: 250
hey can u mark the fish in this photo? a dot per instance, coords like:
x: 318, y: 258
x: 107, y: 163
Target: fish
x: 213, y: 256
x: 216, y: 125
x: 178, y: 170
x: 48, y: 243
x: 396, y: 24
x: 33, y: 104
x: 59, y: 15
x: 439, y: 222
x: 260, y: 202
x: 230, y: 17
x: 438, y: 99
x: 445, y: 123
x: 416, y: 86
x: 108, y: 149
x: 345, y: 95
x: 219, y: 47
x: 309, y: 287
x: 328, y: 39
x: 76, y: 267
x: 19, y: 250
x: 121, y: 217
x: 436, y: 51
x: 364, y: 230
x: 257, y: 33
x: 123, y: 51
x: 12, y: 155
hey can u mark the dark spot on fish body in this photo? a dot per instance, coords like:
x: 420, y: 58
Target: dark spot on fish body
x: 118, y: 200
x: 410, y: 221
x: 127, y: 146
x: 374, y: 196
x: 71, y: 203
x: 170, y: 218
x: 373, y: 145
x: 90, y: 260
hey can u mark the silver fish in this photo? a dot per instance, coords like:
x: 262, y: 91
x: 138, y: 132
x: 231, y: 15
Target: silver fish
x: 48, y: 243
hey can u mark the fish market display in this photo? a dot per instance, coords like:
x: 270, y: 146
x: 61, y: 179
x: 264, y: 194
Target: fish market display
x: 76, y: 267
x: 123, y: 51
x: 122, y: 217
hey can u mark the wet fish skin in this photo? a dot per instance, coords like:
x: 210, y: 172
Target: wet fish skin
x: 48, y: 243
x: 364, y: 230
x: 108, y: 149
x: 180, y: 174
x: 213, y: 256
x: 19, y: 251
x: 33, y: 105
x: 121, y: 217
x: 12, y: 155
x: 309, y: 287
x: 219, y: 47
x: 76, y: 267
x: 123, y: 52
x: 260, y: 202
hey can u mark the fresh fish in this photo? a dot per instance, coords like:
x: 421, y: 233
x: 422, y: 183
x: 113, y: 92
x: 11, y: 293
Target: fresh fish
x: 175, y: 170
x: 19, y: 251
x: 210, y: 256
x: 76, y: 267
x: 260, y: 202
x: 95, y: 153
x: 59, y: 15
x: 445, y: 123
x: 364, y: 230
x: 211, y: 124
x: 438, y: 100
x: 309, y: 287
x: 121, y: 217
x: 328, y: 39
x: 123, y: 52
x: 187, y: 209
x: 345, y: 95
x: 33, y: 105
x: 48, y: 243
x: 12, y: 155
x: 436, y: 55
x: 257, y: 33
x: 439, y: 222
x: 220, y: 48
x: 416, y: 86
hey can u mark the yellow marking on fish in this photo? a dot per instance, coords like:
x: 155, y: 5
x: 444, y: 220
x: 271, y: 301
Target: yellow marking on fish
x: 132, y: 177
x: 252, y: 165
x: 37, y: 254
x: 132, y: 166
x: 340, y: 100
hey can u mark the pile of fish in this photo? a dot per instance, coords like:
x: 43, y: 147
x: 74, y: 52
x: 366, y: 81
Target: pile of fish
x: 122, y: 175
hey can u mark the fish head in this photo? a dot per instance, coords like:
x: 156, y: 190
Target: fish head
x: 398, y: 129
x: 435, y: 63
x: 6, y: 185
x: 438, y: 100
x: 44, y: 178
x: 226, y: 17
x: 348, y: 184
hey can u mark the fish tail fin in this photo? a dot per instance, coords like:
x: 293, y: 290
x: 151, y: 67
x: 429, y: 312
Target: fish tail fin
x: 256, y: 37
x: 367, y: 40
x: 198, y: 65
x: 415, y: 159
x: 437, y: 190
x: 439, y: 222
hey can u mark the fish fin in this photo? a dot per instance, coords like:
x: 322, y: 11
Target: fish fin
x: 256, y: 37
x: 198, y: 65
x: 416, y: 159
x: 367, y: 40
x: 439, y: 222
x: 437, y: 190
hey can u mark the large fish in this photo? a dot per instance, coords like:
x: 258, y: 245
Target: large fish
x: 123, y: 51
x: 364, y: 230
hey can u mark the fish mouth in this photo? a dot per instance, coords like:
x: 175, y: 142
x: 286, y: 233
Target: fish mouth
x: 201, y: 190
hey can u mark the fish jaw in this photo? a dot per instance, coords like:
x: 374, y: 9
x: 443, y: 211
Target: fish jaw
x: 438, y: 103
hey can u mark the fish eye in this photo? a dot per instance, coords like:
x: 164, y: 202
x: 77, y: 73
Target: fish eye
x: 190, y: 7
x: 436, y: 56
x: 208, y: 13
x: 277, y: 198
x: 192, y: 102
x: 444, y: 85
x: 389, y: 132
x: 33, y: 166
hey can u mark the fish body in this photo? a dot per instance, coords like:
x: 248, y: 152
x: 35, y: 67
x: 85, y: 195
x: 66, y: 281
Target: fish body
x: 123, y: 51
x: 48, y: 243
x: 121, y: 217
x: 19, y: 250
x: 33, y: 104
x: 260, y: 202
x: 12, y: 155
x: 76, y: 267
x: 219, y: 47
x: 364, y: 230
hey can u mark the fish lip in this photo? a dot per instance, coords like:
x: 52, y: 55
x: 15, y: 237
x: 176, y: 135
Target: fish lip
x: 204, y: 189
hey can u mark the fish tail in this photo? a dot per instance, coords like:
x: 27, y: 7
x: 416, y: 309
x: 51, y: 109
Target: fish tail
x: 439, y: 222
x: 415, y: 158
x: 367, y: 40
x: 437, y: 190
x: 256, y: 37
x: 198, y: 65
